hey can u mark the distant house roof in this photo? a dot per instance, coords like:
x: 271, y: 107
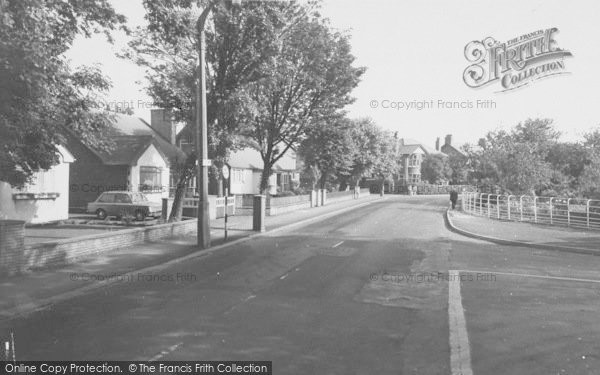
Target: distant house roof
x: 408, y: 146
x: 249, y: 158
x: 448, y: 149
x: 132, y: 136
x: 409, y: 149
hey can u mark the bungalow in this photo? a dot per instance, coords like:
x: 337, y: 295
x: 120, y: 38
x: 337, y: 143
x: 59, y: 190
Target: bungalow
x: 246, y: 168
x: 45, y: 199
x: 139, y: 162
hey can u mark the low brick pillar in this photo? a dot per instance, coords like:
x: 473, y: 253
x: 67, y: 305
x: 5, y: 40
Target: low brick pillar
x: 12, y: 247
x: 323, y: 197
x: 313, y: 198
x: 258, y: 214
x: 319, y: 197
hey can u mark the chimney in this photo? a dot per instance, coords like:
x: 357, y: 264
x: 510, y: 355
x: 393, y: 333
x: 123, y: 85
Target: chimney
x: 449, y: 140
x: 437, y: 144
x: 162, y: 122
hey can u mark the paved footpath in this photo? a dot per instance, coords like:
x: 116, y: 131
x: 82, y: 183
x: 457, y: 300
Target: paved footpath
x: 542, y: 236
x: 37, y: 290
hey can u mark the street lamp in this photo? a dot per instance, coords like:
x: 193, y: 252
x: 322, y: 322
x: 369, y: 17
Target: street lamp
x: 203, y: 162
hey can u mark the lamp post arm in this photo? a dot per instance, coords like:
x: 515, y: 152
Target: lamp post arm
x: 201, y: 23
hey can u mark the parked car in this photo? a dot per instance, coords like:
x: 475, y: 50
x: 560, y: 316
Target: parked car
x: 124, y: 203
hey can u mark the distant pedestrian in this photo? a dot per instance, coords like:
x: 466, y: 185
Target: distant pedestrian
x: 453, y: 198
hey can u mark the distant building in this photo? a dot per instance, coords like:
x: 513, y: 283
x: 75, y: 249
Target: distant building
x: 411, y: 154
x: 246, y: 169
x: 448, y: 149
x: 246, y: 166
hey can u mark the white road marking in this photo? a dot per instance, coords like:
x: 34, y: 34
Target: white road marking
x: 170, y: 349
x: 284, y: 276
x: 337, y: 244
x: 239, y: 304
x: 460, y: 353
x: 536, y: 276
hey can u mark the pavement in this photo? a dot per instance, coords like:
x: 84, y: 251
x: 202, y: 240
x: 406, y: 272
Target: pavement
x: 384, y: 289
x: 531, y: 235
x: 40, y: 289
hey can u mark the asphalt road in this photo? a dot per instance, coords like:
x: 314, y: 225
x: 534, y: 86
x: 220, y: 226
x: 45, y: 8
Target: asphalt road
x: 353, y: 294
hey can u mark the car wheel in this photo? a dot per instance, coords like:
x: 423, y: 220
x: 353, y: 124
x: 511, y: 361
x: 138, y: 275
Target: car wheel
x: 140, y: 215
x: 101, y: 214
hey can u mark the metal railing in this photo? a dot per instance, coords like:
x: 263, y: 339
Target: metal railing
x: 570, y: 212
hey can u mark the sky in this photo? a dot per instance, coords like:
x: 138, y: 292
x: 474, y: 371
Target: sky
x: 414, y: 52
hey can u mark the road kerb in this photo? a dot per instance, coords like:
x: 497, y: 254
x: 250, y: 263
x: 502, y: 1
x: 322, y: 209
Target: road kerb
x: 501, y: 241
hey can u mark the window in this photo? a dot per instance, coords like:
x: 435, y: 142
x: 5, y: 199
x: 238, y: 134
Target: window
x: 107, y: 198
x: 150, y: 179
x: 285, y: 182
x: 237, y: 176
x: 414, y: 160
x: 186, y: 140
x: 122, y: 198
x: 415, y: 178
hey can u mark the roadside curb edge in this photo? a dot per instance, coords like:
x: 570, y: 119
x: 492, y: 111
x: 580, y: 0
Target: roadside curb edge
x: 501, y: 241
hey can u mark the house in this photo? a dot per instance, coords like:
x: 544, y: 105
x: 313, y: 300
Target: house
x: 448, y: 149
x: 411, y: 154
x: 139, y: 161
x: 45, y: 199
x: 246, y: 168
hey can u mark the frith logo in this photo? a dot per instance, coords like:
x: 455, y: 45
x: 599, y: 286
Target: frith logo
x: 515, y: 63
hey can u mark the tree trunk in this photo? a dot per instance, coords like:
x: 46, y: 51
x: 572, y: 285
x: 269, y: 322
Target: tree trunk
x: 323, y: 180
x: 264, y: 179
x: 177, y: 209
x: 187, y: 172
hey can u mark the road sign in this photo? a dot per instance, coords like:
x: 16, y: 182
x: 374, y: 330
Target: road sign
x: 225, y: 171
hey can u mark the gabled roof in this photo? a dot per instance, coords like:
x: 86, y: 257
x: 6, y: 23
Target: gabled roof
x: 249, y: 158
x: 454, y: 149
x: 132, y: 136
x: 410, y: 149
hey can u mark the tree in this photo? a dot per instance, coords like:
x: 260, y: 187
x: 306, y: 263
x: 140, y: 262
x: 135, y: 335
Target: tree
x: 435, y: 168
x: 567, y: 160
x: 589, y: 180
x: 386, y: 159
x: 309, y: 81
x: 327, y: 151
x: 366, y: 136
x: 516, y: 160
x: 239, y: 43
x: 42, y: 97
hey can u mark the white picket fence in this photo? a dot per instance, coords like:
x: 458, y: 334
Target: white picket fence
x: 571, y: 212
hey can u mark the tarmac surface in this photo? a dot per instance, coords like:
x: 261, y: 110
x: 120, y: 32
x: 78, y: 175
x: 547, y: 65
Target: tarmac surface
x: 385, y: 288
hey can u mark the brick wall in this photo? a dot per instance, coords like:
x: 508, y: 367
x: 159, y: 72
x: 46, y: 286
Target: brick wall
x: 12, y: 242
x: 60, y: 253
